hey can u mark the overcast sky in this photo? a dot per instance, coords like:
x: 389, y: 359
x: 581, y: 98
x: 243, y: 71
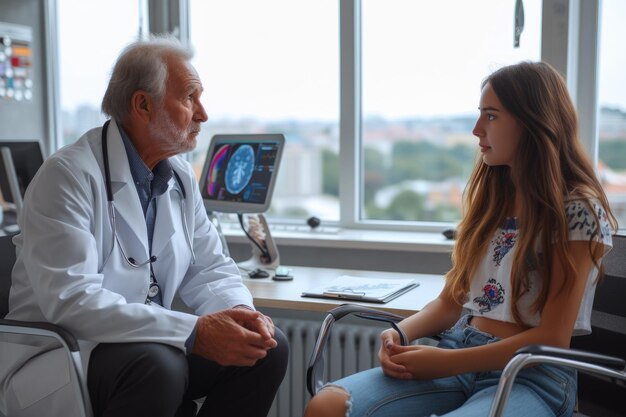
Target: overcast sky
x: 286, y: 64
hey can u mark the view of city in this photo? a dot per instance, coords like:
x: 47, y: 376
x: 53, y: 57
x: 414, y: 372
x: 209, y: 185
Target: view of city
x: 280, y: 74
x: 413, y: 169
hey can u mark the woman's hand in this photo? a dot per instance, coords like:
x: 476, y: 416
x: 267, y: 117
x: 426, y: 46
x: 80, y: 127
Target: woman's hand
x: 388, y: 339
x: 419, y: 361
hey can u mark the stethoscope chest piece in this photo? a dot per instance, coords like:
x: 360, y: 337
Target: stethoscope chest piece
x: 153, y: 290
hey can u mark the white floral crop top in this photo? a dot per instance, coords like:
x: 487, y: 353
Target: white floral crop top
x: 489, y: 294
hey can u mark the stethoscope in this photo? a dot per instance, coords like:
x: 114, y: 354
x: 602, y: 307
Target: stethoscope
x: 111, y: 208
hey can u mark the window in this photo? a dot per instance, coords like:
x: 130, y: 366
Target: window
x: 272, y: 66
x: 612, y: 106
x: 275, y: 66
x: 91, y: 34
x: 422, y: 65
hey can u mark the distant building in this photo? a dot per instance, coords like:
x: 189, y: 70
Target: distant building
x: 300, y: 172
x: 612, y: 123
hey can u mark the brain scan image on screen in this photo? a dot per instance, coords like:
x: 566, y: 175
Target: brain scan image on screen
x: 239, y: 169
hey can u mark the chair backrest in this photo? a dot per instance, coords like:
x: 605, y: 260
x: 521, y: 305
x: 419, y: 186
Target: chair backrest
x: 608, y: 322
x: 7, y: 260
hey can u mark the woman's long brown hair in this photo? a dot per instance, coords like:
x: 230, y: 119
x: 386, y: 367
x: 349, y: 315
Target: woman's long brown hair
x: 550, y: 167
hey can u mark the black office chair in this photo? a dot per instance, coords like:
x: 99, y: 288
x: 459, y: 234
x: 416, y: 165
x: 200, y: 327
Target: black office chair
x: 40, y: 334
x: 600, y: 357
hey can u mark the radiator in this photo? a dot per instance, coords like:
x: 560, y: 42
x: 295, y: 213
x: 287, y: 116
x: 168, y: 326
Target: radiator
x: 351, y: 348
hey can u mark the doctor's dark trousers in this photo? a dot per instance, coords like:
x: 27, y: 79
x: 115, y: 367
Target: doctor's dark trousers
x: 158, y: 380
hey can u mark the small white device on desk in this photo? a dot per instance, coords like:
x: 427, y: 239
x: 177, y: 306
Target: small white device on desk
x: 239, y: 175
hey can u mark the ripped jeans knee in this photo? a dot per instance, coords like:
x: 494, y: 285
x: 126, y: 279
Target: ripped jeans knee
x: 331, y: 388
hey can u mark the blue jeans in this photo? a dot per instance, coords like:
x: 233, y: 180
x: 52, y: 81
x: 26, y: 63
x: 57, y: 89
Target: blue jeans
x: 544, y: 390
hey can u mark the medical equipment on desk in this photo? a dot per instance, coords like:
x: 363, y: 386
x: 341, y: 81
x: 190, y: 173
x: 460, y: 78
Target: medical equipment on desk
x: 264, y: 251
x: 238, y: 177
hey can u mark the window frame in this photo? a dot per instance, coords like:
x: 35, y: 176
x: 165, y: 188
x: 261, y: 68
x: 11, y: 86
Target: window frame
x: 568, y: 41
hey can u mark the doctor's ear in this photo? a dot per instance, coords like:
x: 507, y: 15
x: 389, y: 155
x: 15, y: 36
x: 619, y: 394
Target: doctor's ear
x: 142, y: 105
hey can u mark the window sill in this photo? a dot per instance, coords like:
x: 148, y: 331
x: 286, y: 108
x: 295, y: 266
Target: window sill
x: 332, y: 237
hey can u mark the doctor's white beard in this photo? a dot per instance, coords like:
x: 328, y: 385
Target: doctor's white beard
x: 169, y: 138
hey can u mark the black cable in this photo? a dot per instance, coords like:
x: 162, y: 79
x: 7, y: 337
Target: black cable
x: 264, y: 252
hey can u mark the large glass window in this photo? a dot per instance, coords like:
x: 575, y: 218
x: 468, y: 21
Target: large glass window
x: 612, y: 106
x: 91, y: 34
x: 272, y: 66
x: 422, y: 65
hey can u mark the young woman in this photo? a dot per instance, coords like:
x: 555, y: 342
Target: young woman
x: 525, y: 266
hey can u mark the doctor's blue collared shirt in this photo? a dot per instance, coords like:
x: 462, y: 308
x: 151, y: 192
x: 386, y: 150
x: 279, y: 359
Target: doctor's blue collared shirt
x: 150, y: 185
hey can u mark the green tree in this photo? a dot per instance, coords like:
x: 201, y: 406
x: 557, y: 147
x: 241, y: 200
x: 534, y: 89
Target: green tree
x: 428, y: 161
x: 374, y: 173
x: 443, y: 213
x: 406, y: 205
x: 613, y: 153
x: 296, y: 212
x: 372, y: 211
x: 404, y: 156
x: 466, y: 156
x: 330, y: 172
x: 412, y: 160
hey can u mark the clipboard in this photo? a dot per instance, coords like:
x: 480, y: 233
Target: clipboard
x: 373, y: 290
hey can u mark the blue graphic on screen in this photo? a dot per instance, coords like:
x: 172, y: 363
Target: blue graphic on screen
x: 241, y: 172
x: 239, y: 169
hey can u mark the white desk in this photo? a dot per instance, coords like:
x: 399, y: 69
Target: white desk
x: 287, y: 294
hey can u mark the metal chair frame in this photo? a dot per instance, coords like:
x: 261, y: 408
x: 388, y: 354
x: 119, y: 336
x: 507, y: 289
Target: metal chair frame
x: 35, y: 330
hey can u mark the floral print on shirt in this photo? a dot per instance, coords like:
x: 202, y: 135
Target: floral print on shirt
x: 504, y: 240
x: 493, y: 296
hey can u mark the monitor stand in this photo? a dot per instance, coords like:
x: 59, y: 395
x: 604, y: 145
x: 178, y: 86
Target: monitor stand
x: 257, y: 260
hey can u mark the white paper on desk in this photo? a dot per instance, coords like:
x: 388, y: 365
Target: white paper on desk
x: 377, y: 290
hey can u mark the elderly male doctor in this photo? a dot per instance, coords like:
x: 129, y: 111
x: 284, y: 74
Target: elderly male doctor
x: 107, y: 267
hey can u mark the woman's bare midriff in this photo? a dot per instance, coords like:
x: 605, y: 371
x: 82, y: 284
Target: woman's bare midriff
x: 501, y: 329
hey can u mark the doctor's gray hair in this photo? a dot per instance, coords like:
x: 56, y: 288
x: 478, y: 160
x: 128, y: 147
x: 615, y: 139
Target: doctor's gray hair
x: 142, y: 65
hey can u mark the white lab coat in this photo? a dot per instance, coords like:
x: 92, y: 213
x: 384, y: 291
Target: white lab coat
x: 60, y: 275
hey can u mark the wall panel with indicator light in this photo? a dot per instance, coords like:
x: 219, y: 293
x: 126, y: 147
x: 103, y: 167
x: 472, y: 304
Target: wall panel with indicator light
x: 16, y: 61
x: 25, y: 112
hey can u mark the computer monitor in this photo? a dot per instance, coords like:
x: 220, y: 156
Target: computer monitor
x: 19, y: 162
x: 240, y: 172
